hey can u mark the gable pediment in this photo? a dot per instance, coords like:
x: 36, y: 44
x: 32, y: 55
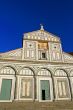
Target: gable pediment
x: 41, y: 35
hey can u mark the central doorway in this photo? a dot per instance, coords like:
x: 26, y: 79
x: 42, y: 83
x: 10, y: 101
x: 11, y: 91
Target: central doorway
x: 43, y: 94
x: 45, y: 86
x: 45, y: 89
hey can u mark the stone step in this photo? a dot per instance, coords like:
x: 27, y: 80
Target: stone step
x: 59, y: 105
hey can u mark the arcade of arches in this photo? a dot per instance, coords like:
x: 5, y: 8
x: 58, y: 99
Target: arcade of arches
x: 42, y: 85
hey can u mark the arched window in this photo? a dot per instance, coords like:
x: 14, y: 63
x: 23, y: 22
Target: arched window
x: 7, y: 70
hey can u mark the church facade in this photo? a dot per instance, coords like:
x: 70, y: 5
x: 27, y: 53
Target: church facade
x: 39, y: 71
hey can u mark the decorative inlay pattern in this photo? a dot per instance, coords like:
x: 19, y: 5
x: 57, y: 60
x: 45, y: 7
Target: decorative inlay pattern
x: 41, y: 35
x: 60, y: 73
x: 14, y: 54
x: 26, y: 71
x: 44, y: 72
x: 7, y: 70
x: 67, y: 57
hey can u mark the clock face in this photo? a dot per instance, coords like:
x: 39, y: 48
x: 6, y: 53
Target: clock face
x: 30, y: 44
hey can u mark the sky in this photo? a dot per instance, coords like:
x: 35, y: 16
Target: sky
x: 21, y: 16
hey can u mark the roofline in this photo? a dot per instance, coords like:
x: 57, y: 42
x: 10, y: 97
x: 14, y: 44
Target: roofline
x: 44, y: 31
x: 68, y: 54
x: 10, y: 51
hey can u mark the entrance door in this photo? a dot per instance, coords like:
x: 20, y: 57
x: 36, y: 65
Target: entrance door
x: 6, y: 86
x: 43, y: 94
x: 45, y: 89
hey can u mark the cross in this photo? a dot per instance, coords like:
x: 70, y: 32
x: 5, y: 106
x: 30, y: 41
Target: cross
x: 42, y: 28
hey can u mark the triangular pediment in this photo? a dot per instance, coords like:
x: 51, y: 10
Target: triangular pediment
x: 14, y: 54
x: 41, y: 35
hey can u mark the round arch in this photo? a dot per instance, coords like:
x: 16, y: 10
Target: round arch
x: 26, y: 71
x: 8, y: 70
x: 44, y: 72
x: 60, y: 72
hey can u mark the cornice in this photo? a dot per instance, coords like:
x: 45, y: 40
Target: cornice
x: 34, y: 62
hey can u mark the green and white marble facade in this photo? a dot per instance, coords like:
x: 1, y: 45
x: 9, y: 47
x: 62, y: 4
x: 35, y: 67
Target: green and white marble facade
x: 30, y: 73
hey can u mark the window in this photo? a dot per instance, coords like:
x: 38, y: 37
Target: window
x: 43, y: 55
x: 42, y: 50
